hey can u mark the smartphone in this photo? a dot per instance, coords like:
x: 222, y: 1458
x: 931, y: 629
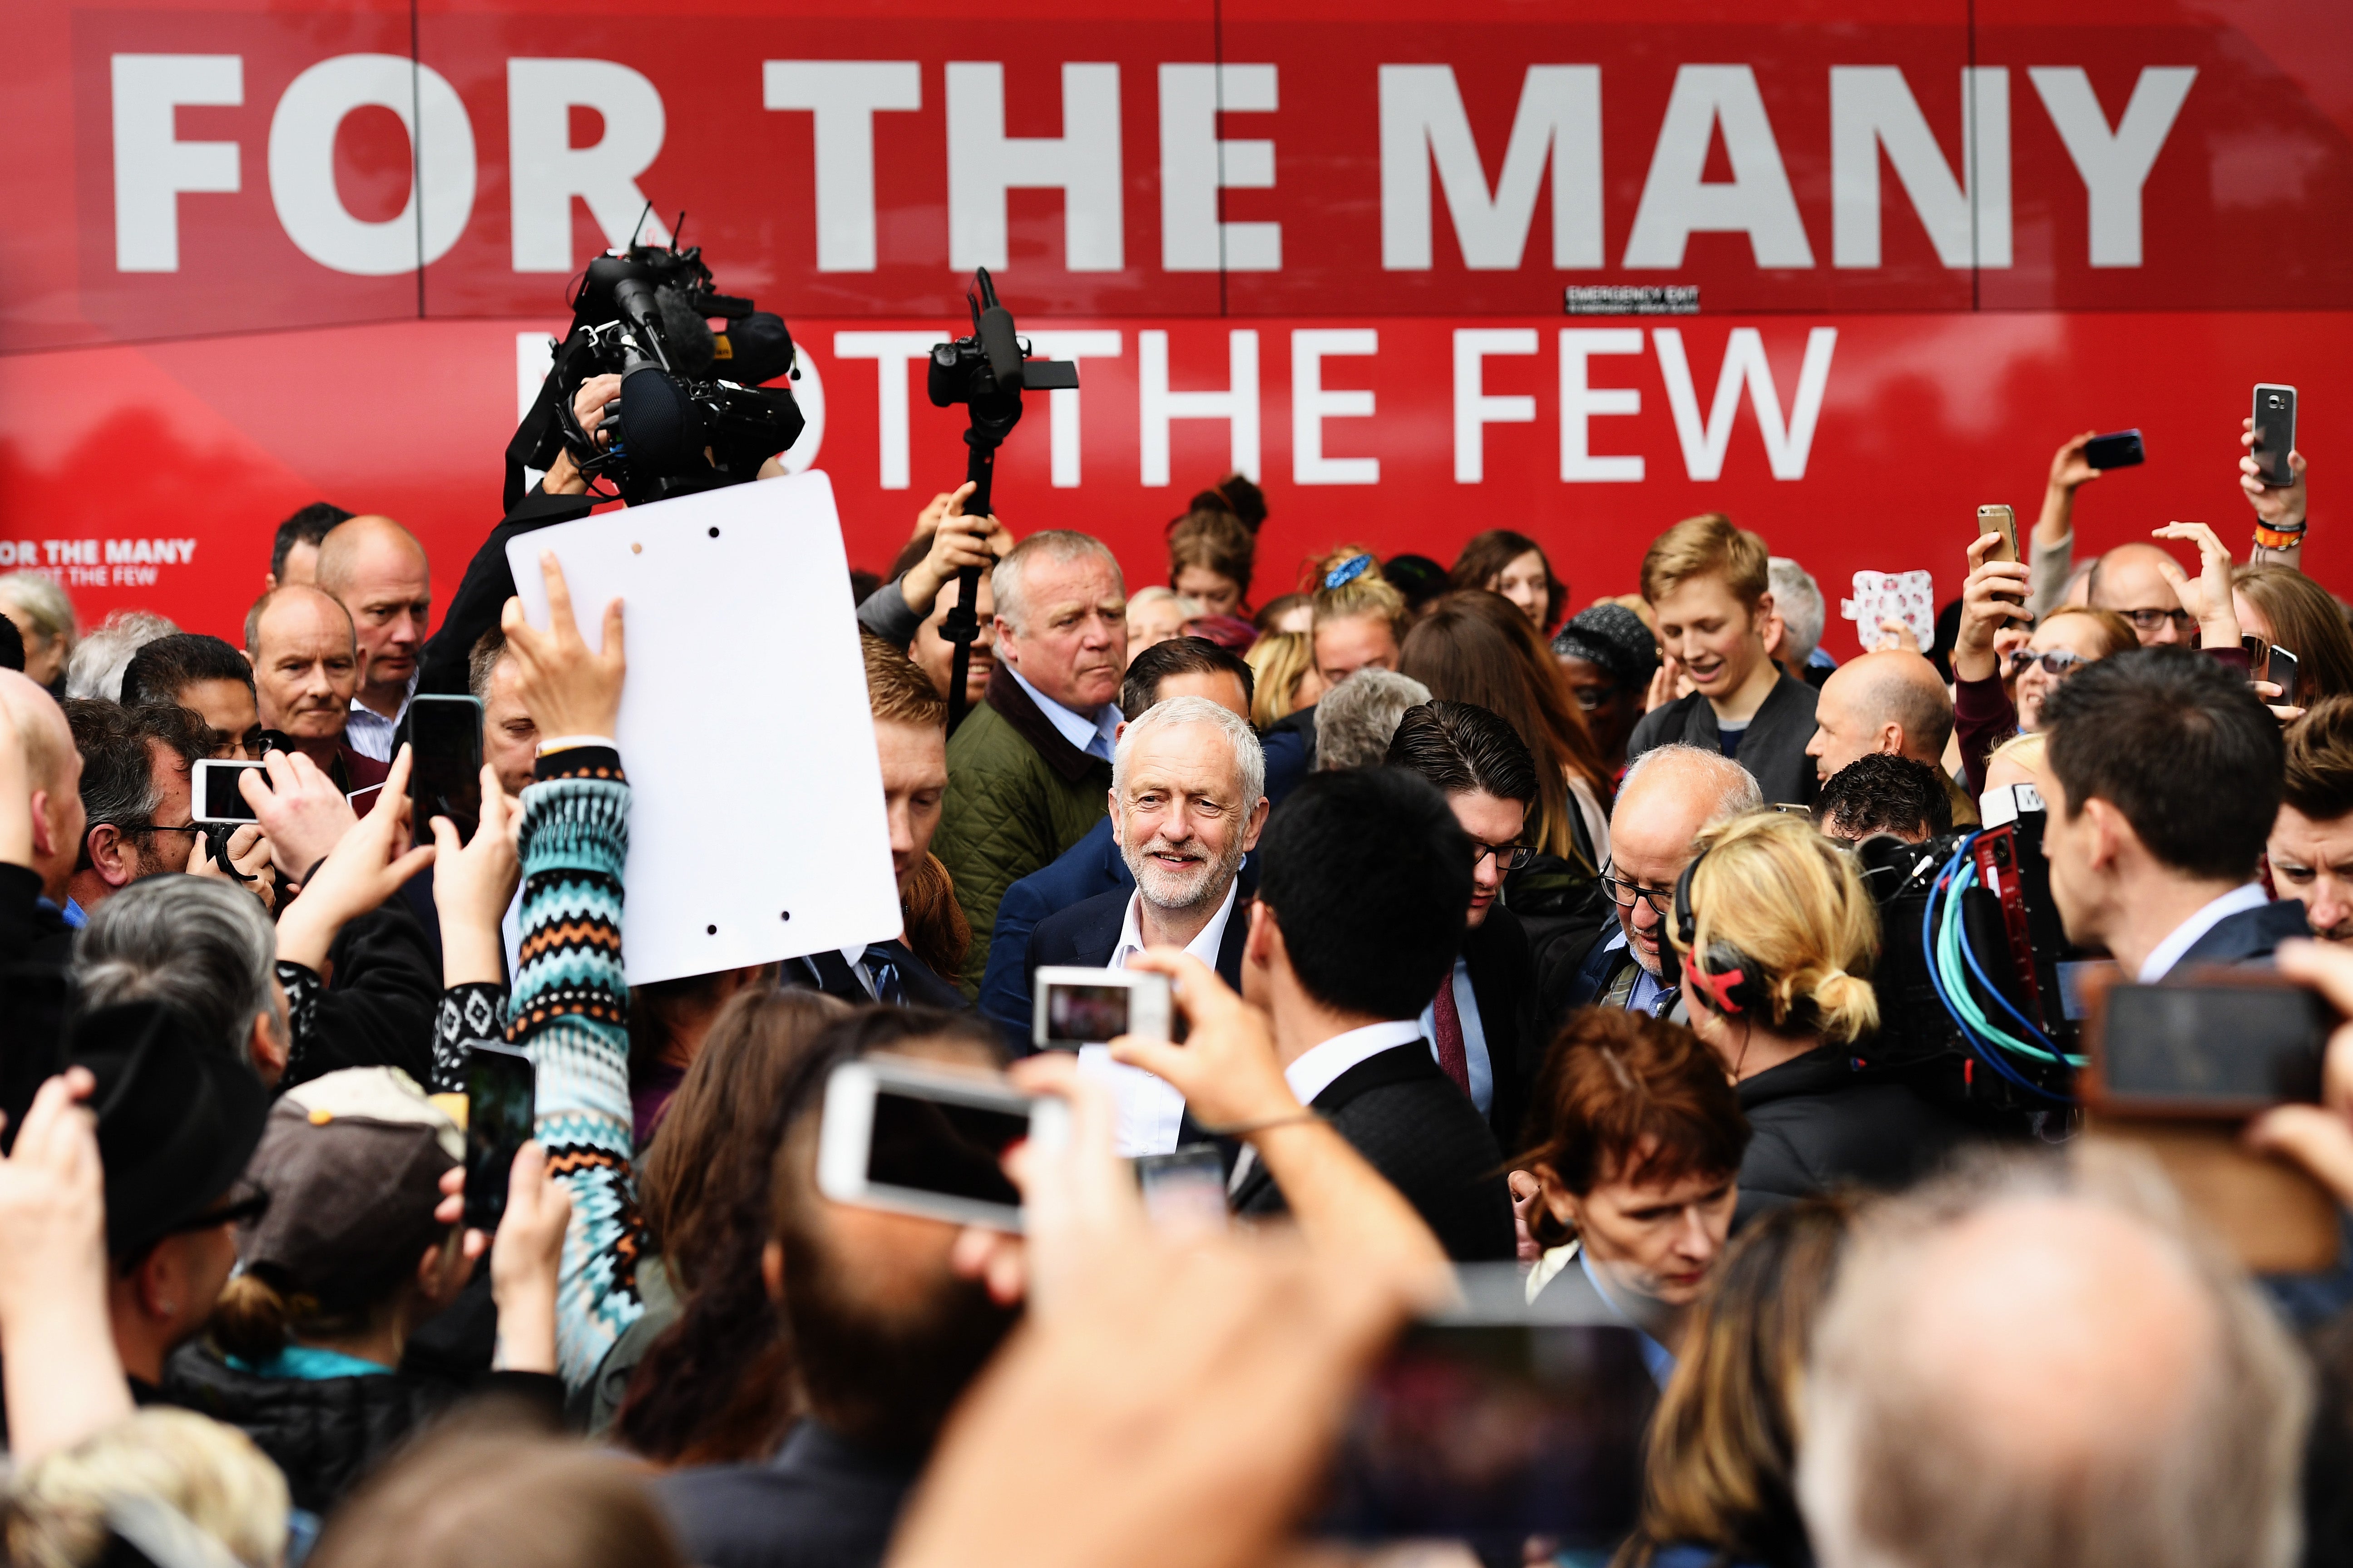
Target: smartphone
x: 2280, y: 668
x: 922, y: 1141
x: 2208, y: 1047
x: 2002, y: 520
x: 502, y: 1105
x: 1185, y: 1189
x: 445, y: 769
x: 2275, y: 432
x: 217, y: 799
x: 1493, y: 1425
x: 1076, y: 1007
x: 2120, y: 451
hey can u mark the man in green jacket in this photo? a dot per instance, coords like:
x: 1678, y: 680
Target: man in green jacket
x: 1029, y: 770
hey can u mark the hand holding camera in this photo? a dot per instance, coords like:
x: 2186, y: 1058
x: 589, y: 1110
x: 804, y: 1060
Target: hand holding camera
x: 1227, y: 1069
x: 1993, y: 598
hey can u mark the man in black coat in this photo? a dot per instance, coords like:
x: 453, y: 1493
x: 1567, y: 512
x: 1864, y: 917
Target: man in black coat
x: 1482, y: 1021
x: 1364, y: 886
x: 2165, y: 777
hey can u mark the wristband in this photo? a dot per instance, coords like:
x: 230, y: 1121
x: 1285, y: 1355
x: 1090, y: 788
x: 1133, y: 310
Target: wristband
x: 1244, y: 1129
x: 566, y: 742
x: 2279, y: 538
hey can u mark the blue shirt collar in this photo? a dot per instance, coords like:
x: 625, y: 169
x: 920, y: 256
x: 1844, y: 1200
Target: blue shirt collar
x: 1073, y: 726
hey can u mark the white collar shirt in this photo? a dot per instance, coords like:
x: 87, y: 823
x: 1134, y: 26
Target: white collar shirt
x: 369, y: 732
x: 1151, y: 1111
x: 1093, y: 736
x: 1317, y: 1067
x: 2183, y: 937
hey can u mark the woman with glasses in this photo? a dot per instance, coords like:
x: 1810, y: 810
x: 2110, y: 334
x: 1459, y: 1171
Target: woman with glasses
x: 2069, y: 639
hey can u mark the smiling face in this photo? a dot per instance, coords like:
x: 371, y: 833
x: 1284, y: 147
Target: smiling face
x: 1719, y: 641
x: 936, y: 655
x: 1654, y: 1239
x: 1178, y: 816
x: 1527, y: 584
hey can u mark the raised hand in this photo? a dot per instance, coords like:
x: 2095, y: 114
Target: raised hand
x: 2209, y: 598
x: 1993, y: 597
x: 366, y: 868
x: 301, y: 812
x: 566, y: 689
x: 473, y: 883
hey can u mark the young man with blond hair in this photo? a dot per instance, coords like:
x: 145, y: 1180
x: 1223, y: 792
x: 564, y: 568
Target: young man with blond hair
x: 1708, y: 587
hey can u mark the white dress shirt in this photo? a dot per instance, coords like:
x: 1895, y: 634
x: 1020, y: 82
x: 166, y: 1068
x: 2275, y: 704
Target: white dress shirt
x: 1474, y: 1038
x: 368, y: 732
x: 2183, y: 937
x: 1151, y: 1111
x: 1316, y: 1068
x: 1093, y: 736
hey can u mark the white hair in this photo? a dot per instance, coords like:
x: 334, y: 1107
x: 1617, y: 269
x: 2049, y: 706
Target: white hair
x: 1249, y: 761
x: 96, y: 666
x: 1060, y: 545
x: 1737, y: 790
x: 1798, y: 598
x: 1357, y: 719
x: 42, y: 601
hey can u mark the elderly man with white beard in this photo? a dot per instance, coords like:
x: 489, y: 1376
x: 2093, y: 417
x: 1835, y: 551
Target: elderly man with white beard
x: 1188, y: 802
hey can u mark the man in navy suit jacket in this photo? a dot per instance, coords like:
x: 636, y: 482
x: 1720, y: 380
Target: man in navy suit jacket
x: 2164, y: 779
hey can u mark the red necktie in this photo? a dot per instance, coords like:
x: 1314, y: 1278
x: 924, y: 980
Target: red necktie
x: 1452, y: 1057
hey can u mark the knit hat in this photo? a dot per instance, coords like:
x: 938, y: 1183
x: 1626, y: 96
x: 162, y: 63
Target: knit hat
x: 353, y: 1166
x: 1614, y: 638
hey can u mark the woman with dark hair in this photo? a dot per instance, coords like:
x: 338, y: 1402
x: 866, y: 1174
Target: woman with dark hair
x: 2289, y: 610
x: 1513, y: 564
x: 1213, y: 548
x: 1633, y: 1147
x: 1473, y: 647
x: 1718, y: 1484
x: 668, y: 1021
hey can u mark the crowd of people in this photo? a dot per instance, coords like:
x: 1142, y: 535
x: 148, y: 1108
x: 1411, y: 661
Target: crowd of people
x: 1501, y: 933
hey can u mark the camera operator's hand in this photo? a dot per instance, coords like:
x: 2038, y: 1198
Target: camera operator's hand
x: 592, y: 402
x: 1993, y: 597
x: 2319, y: 1137
x: 249, y: 851
x: 300, y: 810
x: 366, y: 867
x: 957, y: 542
x: 2278, y: 506
x: 565, y: 689
x: 2209, y: 598
x: 473, y: 883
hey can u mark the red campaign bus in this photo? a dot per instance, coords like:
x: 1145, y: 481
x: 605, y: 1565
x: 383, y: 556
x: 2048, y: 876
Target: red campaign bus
x: 1842, y: 270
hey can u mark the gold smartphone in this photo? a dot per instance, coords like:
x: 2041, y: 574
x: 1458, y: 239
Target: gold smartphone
x: 2002, y: 520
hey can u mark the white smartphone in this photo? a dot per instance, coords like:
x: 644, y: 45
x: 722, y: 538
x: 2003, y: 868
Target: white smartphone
x: 214, y: 784
x: 922, y: 1141
x: 1076, y: 1007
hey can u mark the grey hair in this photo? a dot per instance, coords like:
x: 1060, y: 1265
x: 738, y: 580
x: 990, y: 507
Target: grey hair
x: 1058, y: 545
x: 42, y: 601
x: 195, y: 943
x: 1250, y: 757
x: 96, y: 665
x: 1798, y: 599
x: 1357, y: 719
x: 1737, y: 788
x: 1890, y: 1476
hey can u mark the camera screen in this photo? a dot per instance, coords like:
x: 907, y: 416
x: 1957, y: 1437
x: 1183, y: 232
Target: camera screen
x: 222, y: 801
x: 1088, y: 1013
x: 2252, y: 1045
x: 1493, y: 1433
x: 501, y: 1095
x: 939, y: 1146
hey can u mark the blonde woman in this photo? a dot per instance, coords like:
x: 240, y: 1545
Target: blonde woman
x: 1776, y: 938
x: 1283, y: 665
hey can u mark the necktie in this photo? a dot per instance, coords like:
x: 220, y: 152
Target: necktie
x: 1452, y: 1057
x: 889, y: 989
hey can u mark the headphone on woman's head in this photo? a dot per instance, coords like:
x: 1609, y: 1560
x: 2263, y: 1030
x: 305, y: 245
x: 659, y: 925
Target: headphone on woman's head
x: 1734, y: 981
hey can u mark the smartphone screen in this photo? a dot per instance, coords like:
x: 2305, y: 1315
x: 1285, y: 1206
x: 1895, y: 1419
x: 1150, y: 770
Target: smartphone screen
x: 1083, y: 1014
x: 940, y: 1146
x: 445, y: 738
x: 1493, y: 1433
x: 2210, y: 1049
x: 218, y: 797
x: 2002, y: 520
x: 501, y: 1098
x: 2275, y: 432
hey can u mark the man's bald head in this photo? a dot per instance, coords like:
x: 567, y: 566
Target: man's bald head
x: 1891, y: 701
x: 53, y: 770
x: 376, y: 568
x: 295, y: 608
x: 1668, y: 794
x: 361, y: 546
x: 2033, y: 1372
x: 2131, y: 580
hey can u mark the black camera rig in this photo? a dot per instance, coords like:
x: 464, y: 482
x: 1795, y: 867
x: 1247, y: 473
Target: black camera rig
x: 986, y: 373
x: 693, y: 413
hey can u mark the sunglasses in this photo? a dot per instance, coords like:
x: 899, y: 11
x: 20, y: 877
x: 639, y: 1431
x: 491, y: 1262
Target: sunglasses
x: 2058, y: 663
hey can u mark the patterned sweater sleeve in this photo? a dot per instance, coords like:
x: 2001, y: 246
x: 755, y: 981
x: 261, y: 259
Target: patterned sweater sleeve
x: 570, y: 1013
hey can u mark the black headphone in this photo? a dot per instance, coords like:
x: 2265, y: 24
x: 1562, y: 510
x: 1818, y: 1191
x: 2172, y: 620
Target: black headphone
x: 1734, y: 981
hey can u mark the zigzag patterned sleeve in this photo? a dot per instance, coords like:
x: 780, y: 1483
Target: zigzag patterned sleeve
x: 571, y: 1013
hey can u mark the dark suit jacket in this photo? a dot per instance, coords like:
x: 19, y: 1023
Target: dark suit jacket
x: 1773, y: 750
x: 1086, y: 868
x: 2251, y: 936
x: 1299, y: 723
x: 1085, y: 936
x: 1825, y: 1120
x: 1406, y: 1117
x: 832, y: 975
x: 1504, y: 983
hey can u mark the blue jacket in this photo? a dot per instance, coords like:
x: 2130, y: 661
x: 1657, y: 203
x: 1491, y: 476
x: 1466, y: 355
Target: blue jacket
x: 1086, y: 868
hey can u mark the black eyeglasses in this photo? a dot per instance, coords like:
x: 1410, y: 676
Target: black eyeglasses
x: 159, y: 827
x: 2149, y: 620
x: 1623, y: 893
x: 245, y: 1210
x: 2058, y: 663
x: 1508, y: 857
